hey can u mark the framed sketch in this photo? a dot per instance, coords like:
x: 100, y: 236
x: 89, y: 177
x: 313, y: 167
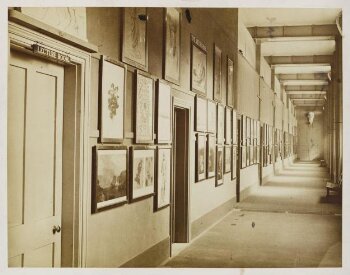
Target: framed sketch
x: 163, y: 112
x: 201, y: 159
x: 211, y: 116
x: 142, y: 172
x: 229, y: 79
x: 219, y: 165
x: 243, y: 130
x: 228, y: 126
x: 243, y: 157
x: 211, y: 155
x: 172, y: 35
x: 234, y: 127
x: 217, y: 74
x: 135, y: 46
x: 110, y: 177
x: 220, y: 124
x: 228, y: 159
x: 201, y: 114
x: 163, y: 182
x: 112, y: 100
x: 234, y: 163
x: 144, y: 108
x: 198, y: 66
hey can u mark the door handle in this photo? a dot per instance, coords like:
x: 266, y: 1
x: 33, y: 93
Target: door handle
x: 56, y: 229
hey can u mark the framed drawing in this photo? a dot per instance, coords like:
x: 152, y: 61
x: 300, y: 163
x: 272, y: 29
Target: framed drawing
x: 211, y: 155
x: 163, y: 182
x: 251, y: 154
x: 243, y: 130
x: 229, y: 79
x: 198, y: 66
x: 220, y: 124
x: 112, y: 100
x: 234, y: 127
x: 258, y: 154
x: 219, y: 165
x: 248, y: 130
x: 110, y: 177
x: 247, y: 155
x: 135, y: 46
x: 144, y: 108
x: 163, y: 112
x: 201, y: 114
x: 211, y: 116
x: 172, y: 35
x: 217, y: 74
x: 243, y: 157
x: 201, y: 159
x: 228, y: 159
x: 234, y: 162
x: 228, y: 126
x: 142, y: 172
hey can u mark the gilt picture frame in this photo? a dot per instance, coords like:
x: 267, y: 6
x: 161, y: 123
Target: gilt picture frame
x: 198, y: 66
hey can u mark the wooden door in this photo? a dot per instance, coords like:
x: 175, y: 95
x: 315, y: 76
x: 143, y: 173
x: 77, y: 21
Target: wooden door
x: 34, y: 161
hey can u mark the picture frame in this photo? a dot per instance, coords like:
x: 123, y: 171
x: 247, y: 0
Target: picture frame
x: 201, y: 158
x: 247, y: 155
x: 220, y: 132
x: 251, y: 154
x: 228, y: 159
x: 219, y: 165
x: 201, y: 105
x: 243, y: 157
x: 109, y: 187
x: 217, y: 71
x: 244, y: 130
x: 229, y: 83
x: 164, y: 177
x: 172, y: 45
x: 144, y: 108
x: 198, y: 66
x: 258, y: 154
x: 228, y: 125
x: 211, y: 156
x: 248, y: 130
x: 234, y: 163
x: 212, y: 113
x: 234, y: 127
x: 163, y: 112
x: 135, y: 39
x: 112, y: 100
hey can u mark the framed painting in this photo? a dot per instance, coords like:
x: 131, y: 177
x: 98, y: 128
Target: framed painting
x: 164, y: 174
x: 211, y: 116
x: 228, y: 126
x: 234, y: 127
x: 198, y: 66
x: 163, y: 112
x: 229, y: 86
x: 234, y: 163
x: 142, y: 172
x: 172, y: 44
x: 228, y: 159
x: 201, y: 159
x: 217, y: 74
x: 220, y: 124
x: 201, y: 114
x: 111, y: 100
x: 219, y: 165
x: 211, y: 155
x: 144, y: 108
x: 243, y: 157
x: 110, y: 177
x: 135, y: 46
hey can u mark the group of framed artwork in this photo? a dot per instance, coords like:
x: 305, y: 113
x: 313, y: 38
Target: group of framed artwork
x: 250, y: 141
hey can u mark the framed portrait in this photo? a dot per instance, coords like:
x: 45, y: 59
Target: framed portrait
x: 142, y: 172
x: 228, y: 126
x: 201, y: 114
x: 198, y: 66
x: 243, y: 157
x: 234, y: 127
x: 211, y: 116
x: 110, y: 177
x: 201, y: 158
x: 164, y: 174
x: 228, y: 159
x: 220, y: 124
x: 219, y: 165
x: 144, y: 108
x: 217, y: 74
x: 163, y: 112
x: 234, y: 163
x: 229, y: 79
x: 135, y: 46
x: 211, y: 155
x: 172, y: 35
x: 112, y: 100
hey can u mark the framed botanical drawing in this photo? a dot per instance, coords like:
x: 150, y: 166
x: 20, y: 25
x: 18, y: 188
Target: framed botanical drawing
x: 163, y: 112
x: 219, y: 165
x: 234, y: 162
x: 201, y: 159
x: 234, y: 127
x: 112, y: 100
x: 229, y: 88
x: 211, y: 155
x: 201, y: 114
x: 217, y: 74
x: 110, y: 177
x: 134, y: 49
x: 163, y: 182
x: 243, y: 157
x: 220, y: 124
x: 144, y: 108
x: 228, y: 159
x: 228, y: 126
x: 142, y: 172
x: 211, y: 116
x: 172, y: 35
x: 198, y: 66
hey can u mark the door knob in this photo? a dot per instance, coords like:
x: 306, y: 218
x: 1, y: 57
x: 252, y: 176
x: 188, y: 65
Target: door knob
x: 56, y: 229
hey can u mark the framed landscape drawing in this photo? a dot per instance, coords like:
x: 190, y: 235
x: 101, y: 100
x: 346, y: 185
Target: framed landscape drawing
x: 134, y: 49
x: 217, y: 73
x: 211, y: 116
x: 201, y: 114
x: 198, y: 66
x: 201, y: 159
x: 163, y: 112
x: 228, y: 159
x: 234, y: 162
x: 234, y: 127
x: 110, y: 177
x: 228, y: 126
x: 211, y: 155
x: 144, y: 108
x: 219, y: 165
x: 220, y: 124
x: 172, y: 27
x: 112, y: 100
x: 163, y: 182
x: 229, y: 79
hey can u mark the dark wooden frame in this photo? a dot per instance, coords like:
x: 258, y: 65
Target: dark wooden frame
x: 215, y: 71
x: 158, y: 140
x: 219, y: 182
x: 209, y: 137
x: 234, y: 127
x: 198, y: 113
x: 230, y: 104
x: 201, y: 47
x: 198, y: 178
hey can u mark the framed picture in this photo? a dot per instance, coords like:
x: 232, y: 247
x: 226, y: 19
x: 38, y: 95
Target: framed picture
x: 228, y: 159
x: 244, y: 130
x: 144, y: 108
x: 135, y: 46
x: 211, y: 116
x: 219, y: 165
x: 220, y: 124
x: 248, y: 155
x: 248, y: 131
x: 112, y: 100
x: 234, y: 163
x: 217, y: 74
x: 201, y: 159
x: 142, y: 172
x: 258, y: 140
x: 172, y: 35
x: 198, y: 66
x: 229, y: 88
x: 228, y: 126
x: 251, y: 154
x: 163, y: 182
x: 243, y: 157
x: 110, y: 177
x: 234, y: 127
x: 201, y: 114
x: 258, y: 154
x: 163, y: 112
x: 211, y: 155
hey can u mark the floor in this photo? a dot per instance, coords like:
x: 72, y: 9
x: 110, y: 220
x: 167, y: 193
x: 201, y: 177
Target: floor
x: 288, y: 222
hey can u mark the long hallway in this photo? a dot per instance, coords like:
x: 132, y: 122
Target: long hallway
x: 288, y: 222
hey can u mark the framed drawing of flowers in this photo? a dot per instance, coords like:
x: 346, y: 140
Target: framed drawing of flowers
x: 198, y: 66
x: 163, y: 182
x: 163, y: 112
x: 217, y: 74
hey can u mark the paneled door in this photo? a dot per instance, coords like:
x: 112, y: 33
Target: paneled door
x: 34, y: 161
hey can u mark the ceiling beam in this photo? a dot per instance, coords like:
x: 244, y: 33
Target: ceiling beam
x: 307, y: 59
x: 300, y: 92
x: 315, y: 76
x: 306, y: 88
x: 301, y: 82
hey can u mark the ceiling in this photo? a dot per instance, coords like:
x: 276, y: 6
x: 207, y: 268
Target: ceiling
x: 302, y: 69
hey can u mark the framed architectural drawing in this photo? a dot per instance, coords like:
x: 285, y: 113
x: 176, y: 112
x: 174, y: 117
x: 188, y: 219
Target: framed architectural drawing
x: 134, y: 49
x: 217, y: 74
x: 229, y: 79
x: 234, y: 163
x: 172, y: 35
x: 144, y: 108
x: 211, y: 116
x: 198, y: 66
x: 228, y: 159
x: 110, y: 177
x: 163, y: 112
x: 243, y: 157
x: 201, y: 114
x: 234, y: 127
x: 219, y: 165
x: 201, y: 158
x: 112, y: 100
x: 163, y: 182
x: 211, y: 155
x: 220, y: 124
x: 228, y: 126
